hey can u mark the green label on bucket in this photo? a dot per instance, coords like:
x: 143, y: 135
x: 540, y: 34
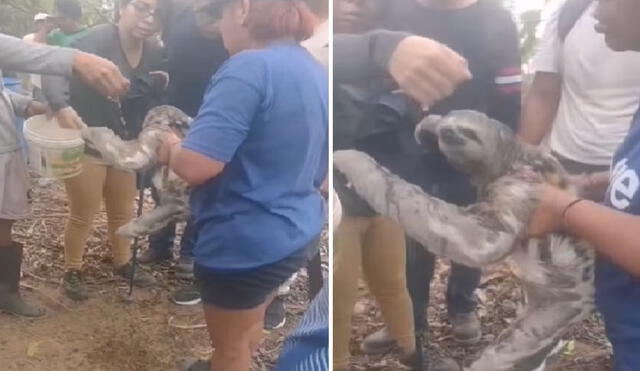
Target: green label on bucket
x: 72, y: 154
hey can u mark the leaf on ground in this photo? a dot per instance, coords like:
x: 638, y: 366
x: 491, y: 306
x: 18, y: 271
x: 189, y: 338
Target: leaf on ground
x: 32, y: 349
x: 570, y: 348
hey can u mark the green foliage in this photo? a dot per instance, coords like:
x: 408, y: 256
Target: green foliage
x: 528, y: 40
x: 528, y: 23
x: 16, y: 16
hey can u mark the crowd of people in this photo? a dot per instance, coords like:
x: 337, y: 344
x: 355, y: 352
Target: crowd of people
x: 239, y: 69
x: 253, y: 75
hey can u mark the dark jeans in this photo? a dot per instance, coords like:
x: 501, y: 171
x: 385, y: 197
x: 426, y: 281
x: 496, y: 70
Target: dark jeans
x: 460, y: 292
x: 463, y: 280
x: 453, y: 187
x: 163, y: 240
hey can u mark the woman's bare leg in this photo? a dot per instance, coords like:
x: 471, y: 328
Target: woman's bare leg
x: 235, y: 335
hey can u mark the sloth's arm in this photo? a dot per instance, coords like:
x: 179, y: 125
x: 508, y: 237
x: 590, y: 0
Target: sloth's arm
x: 474, y: 236
x: 154, y: 220
x: 134, y: 155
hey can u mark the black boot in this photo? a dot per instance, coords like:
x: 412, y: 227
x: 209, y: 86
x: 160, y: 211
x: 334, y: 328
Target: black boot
x: 10, y: 300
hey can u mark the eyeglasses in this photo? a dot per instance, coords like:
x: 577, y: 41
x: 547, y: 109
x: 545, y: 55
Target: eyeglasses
x: 144, y: 11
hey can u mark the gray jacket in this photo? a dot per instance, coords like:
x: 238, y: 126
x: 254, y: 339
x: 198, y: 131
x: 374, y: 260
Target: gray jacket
x: 360, y: 61
x: 18, y: 56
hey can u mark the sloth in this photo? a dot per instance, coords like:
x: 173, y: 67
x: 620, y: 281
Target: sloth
x: 139, y: 155
x: 555, y: 272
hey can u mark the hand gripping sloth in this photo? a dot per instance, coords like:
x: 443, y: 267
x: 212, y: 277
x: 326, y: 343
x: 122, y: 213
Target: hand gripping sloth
x: 556, y: 272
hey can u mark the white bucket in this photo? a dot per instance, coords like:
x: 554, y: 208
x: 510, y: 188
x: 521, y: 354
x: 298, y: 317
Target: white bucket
x: 54, y: 152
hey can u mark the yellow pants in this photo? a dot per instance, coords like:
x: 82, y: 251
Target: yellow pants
x: 86, y: 192
x: 375, y: 246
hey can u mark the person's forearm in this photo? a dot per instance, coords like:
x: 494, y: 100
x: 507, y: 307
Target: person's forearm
x: 540, y: 108
x: 612, y: 233
x: 192, y: 167
x: 19, y: 56
x: 176, y: 162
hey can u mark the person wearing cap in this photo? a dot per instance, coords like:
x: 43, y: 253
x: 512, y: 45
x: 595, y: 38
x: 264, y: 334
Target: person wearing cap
x: 67, y: 19
x: 31, y: 83
x: 43, y: 27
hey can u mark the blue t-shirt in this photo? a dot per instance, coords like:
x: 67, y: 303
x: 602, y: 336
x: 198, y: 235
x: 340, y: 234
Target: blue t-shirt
x: 618, y: 292
x: 265, y: 116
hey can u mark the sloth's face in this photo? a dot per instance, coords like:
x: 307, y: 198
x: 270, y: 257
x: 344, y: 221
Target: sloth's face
x: 163, y: 116
x: 470, y: 140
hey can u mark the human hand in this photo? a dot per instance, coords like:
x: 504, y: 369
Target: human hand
x: 548, y: 216
x: 101, y: 74
x: 427, y: 70
x: 164, y: 151
x: 35, y: 108
x: 68, y: 118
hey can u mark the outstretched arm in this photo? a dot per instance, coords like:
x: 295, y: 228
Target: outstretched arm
x: 20, y: 56
x: 475, y: 236
x: 424, y: 69
x: 100, y: 73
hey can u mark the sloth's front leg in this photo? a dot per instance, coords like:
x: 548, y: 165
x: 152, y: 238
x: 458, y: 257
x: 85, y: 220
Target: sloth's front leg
x: 475, y: 236
x: 154, y: 220
x: 133, y: 155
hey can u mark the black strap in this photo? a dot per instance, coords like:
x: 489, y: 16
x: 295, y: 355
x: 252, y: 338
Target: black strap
x: 571, y: 11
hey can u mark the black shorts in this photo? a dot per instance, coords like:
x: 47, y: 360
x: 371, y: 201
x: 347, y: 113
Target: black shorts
x: 250, y: 289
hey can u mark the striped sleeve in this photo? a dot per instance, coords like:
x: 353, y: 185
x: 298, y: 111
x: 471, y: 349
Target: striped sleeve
x: 307, y: 348
x: 507, y: 69
x: 509, y: 80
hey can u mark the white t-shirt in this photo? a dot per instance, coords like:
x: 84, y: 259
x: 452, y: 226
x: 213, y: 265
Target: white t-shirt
x: 600, y: 91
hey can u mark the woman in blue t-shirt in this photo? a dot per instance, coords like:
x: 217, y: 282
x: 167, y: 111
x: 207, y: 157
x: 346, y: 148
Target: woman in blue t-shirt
x: 611, y: 228
x: 256, y: 155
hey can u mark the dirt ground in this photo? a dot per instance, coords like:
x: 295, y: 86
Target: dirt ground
x: 587, y: 349
x: 105, y: 333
